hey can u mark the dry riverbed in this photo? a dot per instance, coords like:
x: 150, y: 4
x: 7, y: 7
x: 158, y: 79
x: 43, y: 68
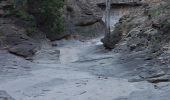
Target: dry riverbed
x: 74, y: 70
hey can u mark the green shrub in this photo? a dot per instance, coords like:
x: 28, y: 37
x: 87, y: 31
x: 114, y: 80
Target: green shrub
x: 24, y: 15
x: 51, y: 11
x: 20, y: 11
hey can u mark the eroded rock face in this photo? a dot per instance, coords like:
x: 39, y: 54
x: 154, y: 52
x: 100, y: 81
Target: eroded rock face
x: 13, y: 32
x: 81, y: 14
x: 146, y: 37
x: 140, y: 30
x: 16, y: 41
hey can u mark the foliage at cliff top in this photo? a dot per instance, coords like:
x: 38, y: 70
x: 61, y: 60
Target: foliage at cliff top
x: 48, y: 11
x: 51, y: 10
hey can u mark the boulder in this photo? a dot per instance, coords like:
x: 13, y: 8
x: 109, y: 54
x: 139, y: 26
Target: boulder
x: 82, y: 12
x: 111, y: 40
x: 24, y: 50
x: 16, y: 41
x: 83, y: 17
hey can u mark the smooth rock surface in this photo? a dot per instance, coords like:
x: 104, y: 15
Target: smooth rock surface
x: 85, y: 71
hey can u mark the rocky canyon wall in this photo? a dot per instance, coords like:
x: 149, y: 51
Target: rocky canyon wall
x: 83, y: 18
x: 146, y: 33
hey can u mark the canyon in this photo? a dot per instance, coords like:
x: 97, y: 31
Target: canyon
x: 83, y: 63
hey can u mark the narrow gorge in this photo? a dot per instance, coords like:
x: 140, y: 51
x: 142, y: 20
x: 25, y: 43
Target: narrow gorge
x: 59, y: 50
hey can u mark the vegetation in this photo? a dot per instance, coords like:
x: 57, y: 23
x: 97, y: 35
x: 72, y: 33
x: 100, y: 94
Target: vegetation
x: 21, y: 11
x: 49, y: 10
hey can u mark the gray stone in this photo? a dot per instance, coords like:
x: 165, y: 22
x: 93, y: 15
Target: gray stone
x: 16, y: 40
x: 24, y: 50
x: 83, y: 12
x: 151, y: 73
x: 165, y: 78
x: 83, y: 18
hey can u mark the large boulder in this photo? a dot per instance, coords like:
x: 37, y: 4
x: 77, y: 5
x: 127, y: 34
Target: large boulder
x: 82, y: 12
x: 83, y: 17
x: 15, y: 40
x: 24, y: 50
x: 113, y: 38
